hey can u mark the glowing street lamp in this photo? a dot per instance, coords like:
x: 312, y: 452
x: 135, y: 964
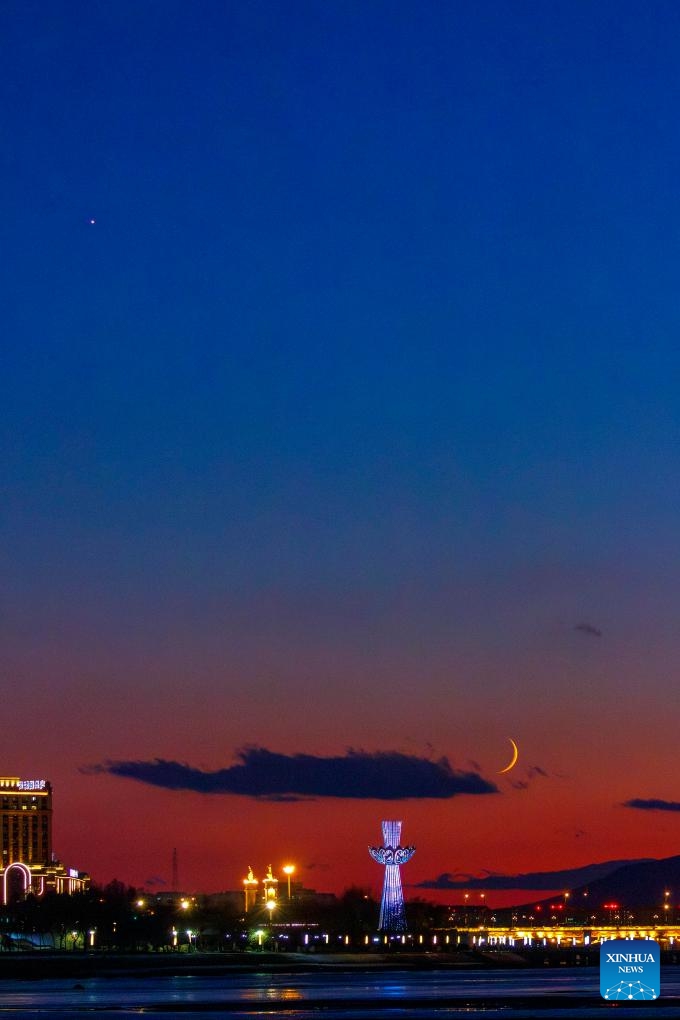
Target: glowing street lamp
x: 288, y: 870
x: 270, y: 907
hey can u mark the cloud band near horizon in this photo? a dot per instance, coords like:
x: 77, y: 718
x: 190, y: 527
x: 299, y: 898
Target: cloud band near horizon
x: 652, y: 804
x: 258, y: 772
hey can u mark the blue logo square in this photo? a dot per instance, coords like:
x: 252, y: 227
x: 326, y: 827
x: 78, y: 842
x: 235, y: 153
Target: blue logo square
x: 630, y: 970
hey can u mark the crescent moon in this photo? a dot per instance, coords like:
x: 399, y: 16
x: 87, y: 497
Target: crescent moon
x: 513, y: 760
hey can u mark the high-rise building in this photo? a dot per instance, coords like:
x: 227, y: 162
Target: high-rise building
x: 26, y: 820
x: 27, y: 861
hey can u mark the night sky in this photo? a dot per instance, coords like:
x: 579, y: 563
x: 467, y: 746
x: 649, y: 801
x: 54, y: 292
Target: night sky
x: 340, y: 406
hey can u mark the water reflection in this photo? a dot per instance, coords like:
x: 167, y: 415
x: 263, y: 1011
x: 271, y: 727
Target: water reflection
x: 283, y: 994
x: 339, y: 994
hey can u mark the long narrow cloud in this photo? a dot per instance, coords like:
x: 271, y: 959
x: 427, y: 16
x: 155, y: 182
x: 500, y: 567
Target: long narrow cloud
x: 569, y: 878
x: 378, y: 775
x: 653, y: 804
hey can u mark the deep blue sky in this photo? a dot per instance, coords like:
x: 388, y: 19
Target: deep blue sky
x: 372, y: 348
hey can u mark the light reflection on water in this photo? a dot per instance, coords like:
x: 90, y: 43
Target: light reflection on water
x: 283, y: 994
x: 421, y: 995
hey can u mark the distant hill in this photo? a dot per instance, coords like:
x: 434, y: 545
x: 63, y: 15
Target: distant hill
x: 567, y: 878
x: 638, y: 884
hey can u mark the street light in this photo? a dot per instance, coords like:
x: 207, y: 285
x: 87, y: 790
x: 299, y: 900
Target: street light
x: 270, y: 905
x: 288, y: 870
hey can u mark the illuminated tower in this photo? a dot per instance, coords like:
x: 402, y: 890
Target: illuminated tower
x: 271, y: 886
x: 391, y: 855
x: 250, y: 884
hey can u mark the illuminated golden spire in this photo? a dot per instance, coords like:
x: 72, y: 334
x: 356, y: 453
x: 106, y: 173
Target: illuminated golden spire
x: 250, y: 884
x: 270, y: 886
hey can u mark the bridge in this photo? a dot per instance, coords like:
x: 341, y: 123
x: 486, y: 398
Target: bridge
x: 528, y: 936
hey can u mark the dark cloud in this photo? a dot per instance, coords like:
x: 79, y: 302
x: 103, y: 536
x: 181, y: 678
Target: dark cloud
x: 378, y: 775
x: 587, y: 628
x: 318, y: 866
x: 653, y: 804
x: 530, y: 773
x: 569, y: 878
x: 283, y: 798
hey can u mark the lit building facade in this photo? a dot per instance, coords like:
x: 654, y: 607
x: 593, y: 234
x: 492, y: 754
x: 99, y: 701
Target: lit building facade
x: 28, y: 864
x: 26, y: 820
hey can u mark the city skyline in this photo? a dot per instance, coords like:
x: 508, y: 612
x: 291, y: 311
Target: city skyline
x: 339, y: 434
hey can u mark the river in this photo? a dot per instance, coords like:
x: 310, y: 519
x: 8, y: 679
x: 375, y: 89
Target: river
x: 571, y: 994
